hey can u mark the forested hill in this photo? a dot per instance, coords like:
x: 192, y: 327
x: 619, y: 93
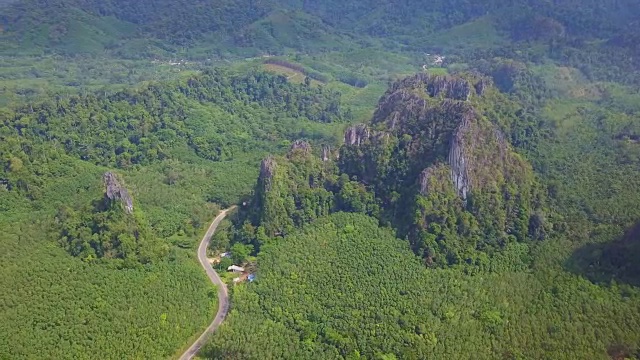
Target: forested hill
x: 435, y: 163
x: 103, y: 197
x: 154, y: 27
x: 414, y: 179
x: 143, y: 127
x: 157, y: 27
x: 582, y: 18
x: 140, y: 127
x: 515, y: 207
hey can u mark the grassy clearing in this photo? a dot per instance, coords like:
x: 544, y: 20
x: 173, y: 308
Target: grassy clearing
x: 480, y: 33
x: 362, y: 101
x: 292, y: 75
x: 564, y: 114
x: 374, y: 64
x: 568, y: 82
x: 29, y: 79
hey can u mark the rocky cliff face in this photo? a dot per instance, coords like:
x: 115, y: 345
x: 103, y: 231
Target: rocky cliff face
x: 481, y: 86
x: 300, y: 146
x: 435, y: 86
x: 420, y: 103
x: 326, y: 153
x: 441, y: 125
x: 430, y: 163
x: 434, y: 111
x: 267, y: 171
x: 448, y: 87
x: 434, y: 179
x: 290, y: 191
x: 357, y: 134
x: 441, y: 147
x: 115, y: 191
x: 458, y: 158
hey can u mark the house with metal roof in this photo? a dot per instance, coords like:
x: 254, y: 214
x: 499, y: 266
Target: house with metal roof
x: 235, y: 268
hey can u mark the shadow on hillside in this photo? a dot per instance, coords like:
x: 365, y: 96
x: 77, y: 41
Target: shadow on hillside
x: 603, y: 263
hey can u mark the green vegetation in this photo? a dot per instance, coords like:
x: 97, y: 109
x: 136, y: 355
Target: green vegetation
x: 63, y: 307
x: 523, y: 255
x: 596, y: 37
x: 34, y: 78
x: 399, y: 169
x: 343, y: 288
x: 157, y: 123
x: 133, y: 280
x: 482, y: 208
x: 108, y: 229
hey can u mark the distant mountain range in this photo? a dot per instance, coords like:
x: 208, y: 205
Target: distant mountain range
x: 153, y: 27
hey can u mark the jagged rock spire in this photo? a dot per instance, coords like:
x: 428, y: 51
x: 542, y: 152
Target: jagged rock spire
x: 326, y: 152
x: 300, y: 145
x: 115, y: 191
x: 356, y: 134
x: 267, y: 170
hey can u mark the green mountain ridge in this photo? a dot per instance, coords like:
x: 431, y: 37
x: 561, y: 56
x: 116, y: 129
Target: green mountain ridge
x: 62, y: 241
x: 535, y: 227
x: 431, y: 164
x: 441, y: 139
x: 414, y: 180
x: 164, y: 27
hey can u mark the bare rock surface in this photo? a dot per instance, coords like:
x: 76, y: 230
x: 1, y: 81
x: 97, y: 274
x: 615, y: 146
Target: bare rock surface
x: 115, y: 191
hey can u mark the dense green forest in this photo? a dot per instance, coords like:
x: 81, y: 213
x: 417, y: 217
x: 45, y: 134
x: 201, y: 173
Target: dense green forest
x: 597, y: 37
x: 121, y: 276
x: 328, y: 23
x: 344, y: 288
x: 57, y: 306
x: 550, y: 217
x: 444, y: 179
x: 152, y: 124
x: 566, y: 266
x: 398, y: 169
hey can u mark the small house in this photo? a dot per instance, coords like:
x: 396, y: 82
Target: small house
x: 235, y: 268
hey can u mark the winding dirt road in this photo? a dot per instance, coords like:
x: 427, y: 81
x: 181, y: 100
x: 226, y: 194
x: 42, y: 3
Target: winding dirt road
x: 223, y: 295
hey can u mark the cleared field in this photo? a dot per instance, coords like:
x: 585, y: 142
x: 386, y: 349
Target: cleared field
x: 292, y: 75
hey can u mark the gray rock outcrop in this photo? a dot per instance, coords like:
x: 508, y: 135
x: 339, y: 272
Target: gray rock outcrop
x: 458, y: 159
x: 115, y: 191
x: 300, y: 145
x: 449, y: 87
x: 423, y: 180
x: 326, y: 152
x: 481, y: 86
x: 267, y: 171
x: 357, y: 134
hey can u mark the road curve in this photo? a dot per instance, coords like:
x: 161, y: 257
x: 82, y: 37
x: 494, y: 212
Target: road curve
x: 223, y: 295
